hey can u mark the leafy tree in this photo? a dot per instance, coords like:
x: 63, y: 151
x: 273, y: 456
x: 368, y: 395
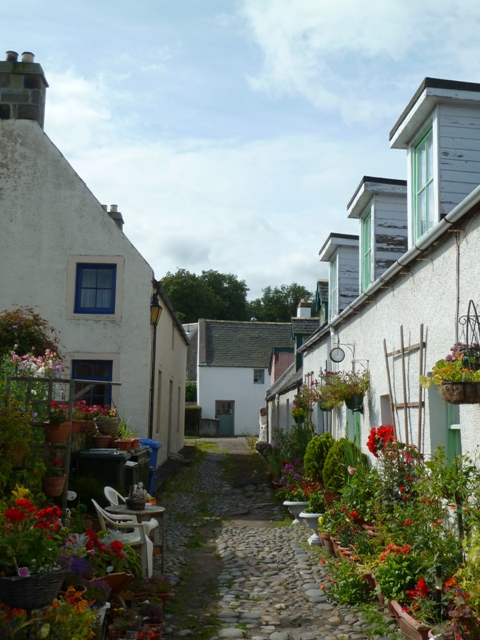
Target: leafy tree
x: 24, y: 331
x: 278, y: 304
x: 213, y: 295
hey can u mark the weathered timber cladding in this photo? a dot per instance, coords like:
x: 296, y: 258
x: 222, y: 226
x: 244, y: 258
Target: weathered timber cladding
x: 458, y: 153
x: 390, y: 229
x: 348, y: 267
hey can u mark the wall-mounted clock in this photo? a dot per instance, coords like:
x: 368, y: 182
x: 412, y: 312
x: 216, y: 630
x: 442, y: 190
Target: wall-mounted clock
x: 337, y: 354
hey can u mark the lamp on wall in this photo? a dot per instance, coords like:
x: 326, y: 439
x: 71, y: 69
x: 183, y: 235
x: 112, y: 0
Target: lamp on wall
x: 155, y: 312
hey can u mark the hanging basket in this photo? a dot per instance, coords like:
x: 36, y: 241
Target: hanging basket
x: 107, y: 426
x: 460, y: 392
x: 355, y: 403
x: 31, y: 592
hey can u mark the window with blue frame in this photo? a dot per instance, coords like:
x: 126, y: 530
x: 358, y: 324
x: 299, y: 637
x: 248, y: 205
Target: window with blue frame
x: 98, y: 372
x: 95, y: 288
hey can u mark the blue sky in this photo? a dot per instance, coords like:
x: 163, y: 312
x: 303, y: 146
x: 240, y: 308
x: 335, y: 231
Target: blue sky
x: 233, y: 133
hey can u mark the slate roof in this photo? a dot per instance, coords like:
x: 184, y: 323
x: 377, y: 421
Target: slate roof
x: 304, y: 326
x: 224, y: 343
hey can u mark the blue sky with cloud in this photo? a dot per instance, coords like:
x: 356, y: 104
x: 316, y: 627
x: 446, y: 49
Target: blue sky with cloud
x: 232, y: 133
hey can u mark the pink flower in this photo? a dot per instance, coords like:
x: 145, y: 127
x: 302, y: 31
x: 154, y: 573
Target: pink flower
x: 352, y: 471
x: 23, y: 572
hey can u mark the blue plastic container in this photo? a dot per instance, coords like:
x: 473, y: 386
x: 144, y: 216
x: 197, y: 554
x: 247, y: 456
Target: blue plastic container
x: 153, y: 455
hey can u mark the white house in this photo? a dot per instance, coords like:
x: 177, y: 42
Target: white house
x: 233, y: 376
x: 410, y: 314
x: 63, y: 253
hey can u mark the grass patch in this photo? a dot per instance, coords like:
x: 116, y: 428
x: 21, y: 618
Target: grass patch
x: 378, y: 625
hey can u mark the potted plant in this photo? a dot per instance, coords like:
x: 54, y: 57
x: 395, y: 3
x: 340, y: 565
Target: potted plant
x: 30, y: 545
x: 81, y: 417
x: 457, y: 375
x: 311, y: 514
x: 125, y: 435
x: 53, y: 480
x: 58, y: 427
x: 137, y: 497
x: 157, y: 586
x: 107, y: 419
x: 339, y: 387
x: 315, y: 455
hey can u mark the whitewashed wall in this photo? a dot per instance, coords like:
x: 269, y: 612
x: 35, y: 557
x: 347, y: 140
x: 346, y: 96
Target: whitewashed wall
x: 233, y: 383
x: 47, y: 216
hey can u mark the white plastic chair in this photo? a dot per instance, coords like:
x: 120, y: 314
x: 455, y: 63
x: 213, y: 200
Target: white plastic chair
x: 116, y: 499
x: 133, y: 532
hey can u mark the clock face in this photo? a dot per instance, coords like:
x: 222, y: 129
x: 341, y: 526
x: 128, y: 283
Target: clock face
x: 337, y: 354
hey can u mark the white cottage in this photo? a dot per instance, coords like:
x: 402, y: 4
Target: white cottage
x: 411, y: 314
x: 63, y: 253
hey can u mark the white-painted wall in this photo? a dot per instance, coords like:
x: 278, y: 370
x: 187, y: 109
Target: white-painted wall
x: 49, y: 221
x: 233, y: 383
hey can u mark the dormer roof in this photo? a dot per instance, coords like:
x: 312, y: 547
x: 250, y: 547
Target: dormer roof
x: 370, y: 186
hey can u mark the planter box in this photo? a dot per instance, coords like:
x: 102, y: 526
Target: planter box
x: 460, y: 392
x: 410, y: 628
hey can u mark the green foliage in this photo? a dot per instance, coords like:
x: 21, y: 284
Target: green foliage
x: 278, y: 304
x: 15, y: 437
x: 347, y: 586
x: 212, y: 295
x: 398, y: 572
x: 316, y: 454
x: 333, y: 473
x: 23, y: 330
x: 191, y: 391
x: 192, y: 418
x: 301, y: 434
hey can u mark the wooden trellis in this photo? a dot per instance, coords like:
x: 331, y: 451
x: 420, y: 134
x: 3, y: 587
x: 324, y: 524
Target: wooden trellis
x: 406, y: 403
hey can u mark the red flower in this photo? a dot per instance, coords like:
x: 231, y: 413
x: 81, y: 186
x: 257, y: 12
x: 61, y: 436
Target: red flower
x: 354, y: 514
x: 401, y: 488
x: 14, y: 515
x: 407, y: 522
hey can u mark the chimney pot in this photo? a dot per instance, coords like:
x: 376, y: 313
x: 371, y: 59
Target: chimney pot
x: 113, y: 208
x: 11, y: 56
x: 27, y: 56
x: 104, y: 207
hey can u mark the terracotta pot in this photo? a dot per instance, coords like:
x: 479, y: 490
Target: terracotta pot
x: 83, y: 426
x: 57, y: 433
x: 370, y: 580
x: 330, y: 497
x: 124, y: 445
x: 135, y: 443
x: 327, y: 542
x: 53, y: 487
x: 102, y: 442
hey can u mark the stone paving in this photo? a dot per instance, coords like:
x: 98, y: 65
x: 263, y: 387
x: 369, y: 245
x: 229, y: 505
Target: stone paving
x: 269, y: 588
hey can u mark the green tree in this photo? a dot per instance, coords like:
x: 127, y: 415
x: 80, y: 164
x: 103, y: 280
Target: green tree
x: 213, y: 295
x: 278, y: 304
x: 24, y: 331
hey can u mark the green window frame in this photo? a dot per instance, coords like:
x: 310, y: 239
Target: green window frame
x: 423, y: 185
x: 333, y: 288
x: 366, y: 250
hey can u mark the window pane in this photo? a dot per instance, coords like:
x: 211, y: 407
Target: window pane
x: 87, y: 298
x: 104, y: 279
x: 429, y: 158
x: 89, y: 277
x: 104, y: 299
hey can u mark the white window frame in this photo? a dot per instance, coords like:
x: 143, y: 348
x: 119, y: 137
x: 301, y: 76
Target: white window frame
x: 333, y: 288
x: 255, y: 373
x: 366, y: 249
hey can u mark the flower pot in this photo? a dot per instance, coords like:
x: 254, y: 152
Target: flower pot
x: 57, y: 433
x: 410, y: 628
x: 31, y: 592
x: 124, y: 445
x: 107, y: 426
x: 135, y: 504
x: 311, y: 520
x: 295, y: 509
x: 369, y: 578
x: 355, y: 402
x: 327, y: 543
x: 330, y: 497
x: 117, y: 581
x: 83, y: 426
x: 460, y: 392
x: 135, y: 443
x: 53, y: 486
x: 102, y: 442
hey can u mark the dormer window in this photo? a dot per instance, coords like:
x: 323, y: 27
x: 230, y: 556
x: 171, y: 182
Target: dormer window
x: 423, y: 185
x: 366, y: 250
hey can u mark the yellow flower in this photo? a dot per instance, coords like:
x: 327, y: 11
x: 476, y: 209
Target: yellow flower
x: 20, y: 492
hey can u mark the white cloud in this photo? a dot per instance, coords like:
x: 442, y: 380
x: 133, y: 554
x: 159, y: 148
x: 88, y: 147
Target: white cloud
x: 338, y: 53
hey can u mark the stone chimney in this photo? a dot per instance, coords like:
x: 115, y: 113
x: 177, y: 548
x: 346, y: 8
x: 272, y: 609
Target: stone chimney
x: 22, y: 88
x: 304, y: 309
x: 115, y: 215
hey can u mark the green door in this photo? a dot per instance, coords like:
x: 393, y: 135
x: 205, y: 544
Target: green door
x: 224, y: 413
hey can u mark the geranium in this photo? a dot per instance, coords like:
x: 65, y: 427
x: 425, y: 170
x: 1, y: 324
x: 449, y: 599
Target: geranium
x: 58, y: 412
x: 105, y: 552
x: 30, y: 539
x: 379, y: 438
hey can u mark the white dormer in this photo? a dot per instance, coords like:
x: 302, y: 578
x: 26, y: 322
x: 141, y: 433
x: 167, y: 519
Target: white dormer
x: 380, y: 204
x: 440, y: 129
x: 341, y: 252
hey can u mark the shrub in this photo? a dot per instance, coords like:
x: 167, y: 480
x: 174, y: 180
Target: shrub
x: 192, y: 418
x: 190, y: 391
x: 23, y: 330
x: 316, y: 454
x: 333, y: 473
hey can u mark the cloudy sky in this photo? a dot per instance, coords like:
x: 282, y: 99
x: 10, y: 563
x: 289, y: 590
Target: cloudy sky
x: 232, y: 133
